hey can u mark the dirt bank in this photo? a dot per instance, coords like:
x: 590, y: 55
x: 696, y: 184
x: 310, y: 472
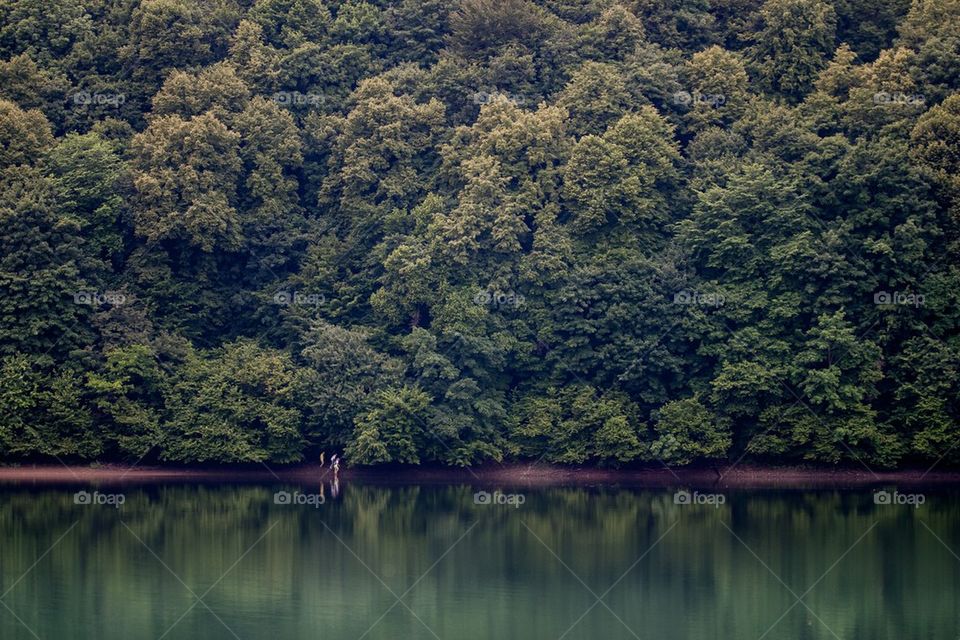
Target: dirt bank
x: 513, y: 474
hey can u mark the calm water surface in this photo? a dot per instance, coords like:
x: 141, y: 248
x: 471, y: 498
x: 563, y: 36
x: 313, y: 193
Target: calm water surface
x: 224, y: 562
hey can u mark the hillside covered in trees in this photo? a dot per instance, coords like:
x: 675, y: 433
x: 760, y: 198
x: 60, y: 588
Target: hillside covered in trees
x: 418, y: 231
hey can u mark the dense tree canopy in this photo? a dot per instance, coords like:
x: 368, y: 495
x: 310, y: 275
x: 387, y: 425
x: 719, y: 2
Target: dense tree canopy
x: 584, y: 231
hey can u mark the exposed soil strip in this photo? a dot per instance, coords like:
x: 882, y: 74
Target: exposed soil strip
x: 514, y: 474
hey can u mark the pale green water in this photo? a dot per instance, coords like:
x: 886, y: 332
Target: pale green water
x: 277, y: 571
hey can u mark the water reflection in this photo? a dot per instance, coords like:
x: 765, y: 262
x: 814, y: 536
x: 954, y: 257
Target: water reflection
x: 206, y: 561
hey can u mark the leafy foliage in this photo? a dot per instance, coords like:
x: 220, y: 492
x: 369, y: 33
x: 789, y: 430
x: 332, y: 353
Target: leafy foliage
x: 590, y: 232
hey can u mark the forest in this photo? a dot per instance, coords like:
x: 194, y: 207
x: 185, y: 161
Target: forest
x: 599, y: 232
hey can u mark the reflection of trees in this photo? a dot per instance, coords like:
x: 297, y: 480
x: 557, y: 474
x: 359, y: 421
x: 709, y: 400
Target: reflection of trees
x: 898, y: 581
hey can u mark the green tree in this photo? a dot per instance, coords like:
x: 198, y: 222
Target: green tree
x: 793, y: 45
x: 86, y: 174
x: 44, y: 413
x: 717, y: 91
x: 128, y: 396
x: 687, y: 431
x: 392, y: 430
x: 596, y: 97
x: 269, y: 207
x: 30, y: 86
x: 676, y: 23
x: 341, y: 377
x: 215, y: 89
x: 288, y: 23
x: 479, y: 28
x: 626, y: 177
x: 935, y: 145
x: 234, y: 405
x: 24, y: 135
x: 614, y: 34
x: 575, y: 425
x: 417, y: 29
x: 931, y: 30
x: 166, y: 34
x: 185, y: 174
x: 45, y: 299
x: 45, y: 32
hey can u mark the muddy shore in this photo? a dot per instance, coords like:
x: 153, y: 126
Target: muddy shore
x: 508, y: 474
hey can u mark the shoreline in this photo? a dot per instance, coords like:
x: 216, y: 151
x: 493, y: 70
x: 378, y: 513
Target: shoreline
x: 512, y: 474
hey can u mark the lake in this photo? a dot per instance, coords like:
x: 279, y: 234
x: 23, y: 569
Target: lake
x: 368, y: 561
